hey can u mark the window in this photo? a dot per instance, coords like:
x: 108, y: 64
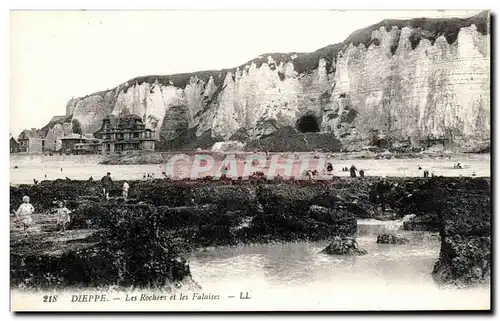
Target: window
x: 136, y: 135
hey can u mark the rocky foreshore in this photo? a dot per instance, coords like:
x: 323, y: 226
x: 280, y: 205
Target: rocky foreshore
x: 141, y: 240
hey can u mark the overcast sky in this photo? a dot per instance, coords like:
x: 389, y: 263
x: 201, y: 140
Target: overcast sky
x: 57, y: 55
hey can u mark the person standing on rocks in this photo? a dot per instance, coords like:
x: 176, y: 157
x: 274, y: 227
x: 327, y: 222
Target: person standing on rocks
x: 63, y: 217
x: 23, y: 214
x: 353, y: 170
x: 125, y: 189
x: 383, y: 187
x: 106, y: 182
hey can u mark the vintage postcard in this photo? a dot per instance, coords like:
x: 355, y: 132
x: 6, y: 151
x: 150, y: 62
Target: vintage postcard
x: 224, y: 160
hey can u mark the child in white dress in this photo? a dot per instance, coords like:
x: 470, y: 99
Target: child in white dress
x: 23, y: 214
x: 63, y: 217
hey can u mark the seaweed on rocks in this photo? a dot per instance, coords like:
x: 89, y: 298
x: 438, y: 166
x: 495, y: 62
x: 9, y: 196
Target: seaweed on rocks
x: 265, y: 228
x: 465, y: 255
x: 344, y: 246
x: 44, y: 195
x: 163, y: 218
x: 132, y: 250
x: 354, y: 200
x: 391, y: 239
x: 464, y: 211
x: 343, y: 221
x: 228, y: 197
x: 147, y: 257
x: 286, y: 198
x: 464, y: 260
x: 161, y: 192
x: 186, y: 216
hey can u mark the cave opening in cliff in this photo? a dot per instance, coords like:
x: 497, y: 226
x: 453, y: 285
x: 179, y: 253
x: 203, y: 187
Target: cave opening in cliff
x: 307, y: 124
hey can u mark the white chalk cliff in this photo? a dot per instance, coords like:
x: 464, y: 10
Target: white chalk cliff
x: 404, y: 79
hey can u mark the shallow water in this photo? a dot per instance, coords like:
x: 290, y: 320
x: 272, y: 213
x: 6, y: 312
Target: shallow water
x: 81, y: 167
x: 297, y: 276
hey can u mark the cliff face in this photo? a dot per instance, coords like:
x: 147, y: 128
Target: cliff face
x: 401, y: 79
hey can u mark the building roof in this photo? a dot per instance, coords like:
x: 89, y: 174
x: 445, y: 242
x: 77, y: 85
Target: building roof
x: 75, y: 136
x: 129, y: 121
x: 29, y: 133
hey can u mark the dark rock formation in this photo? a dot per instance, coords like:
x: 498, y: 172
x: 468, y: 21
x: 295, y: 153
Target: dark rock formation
x: 288, y: 138
x: 391, y: 239
x: 465, y: 215
x: 129, y: 249
x: 344, y: 246
x: 180, y: 216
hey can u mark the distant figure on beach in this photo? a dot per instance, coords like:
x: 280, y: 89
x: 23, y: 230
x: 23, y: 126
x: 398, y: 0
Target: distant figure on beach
x: 458, y: 166
x: 35, y: 181
x: 61, y: 169
x: 45, y: 175
x: 361, y: 173
x: 419, y: 167
x: 15, y: 167
x: 329, y: 167
x: 426, y: 173
x: 23, y: 214
x: 474, y: 174
x: 63, y: 218
x: 106, y: 182
x: 125, y: 189
x: 432, y: 174
x: 143, y: 176
x: 353, y: 170
x: 91, y: 179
